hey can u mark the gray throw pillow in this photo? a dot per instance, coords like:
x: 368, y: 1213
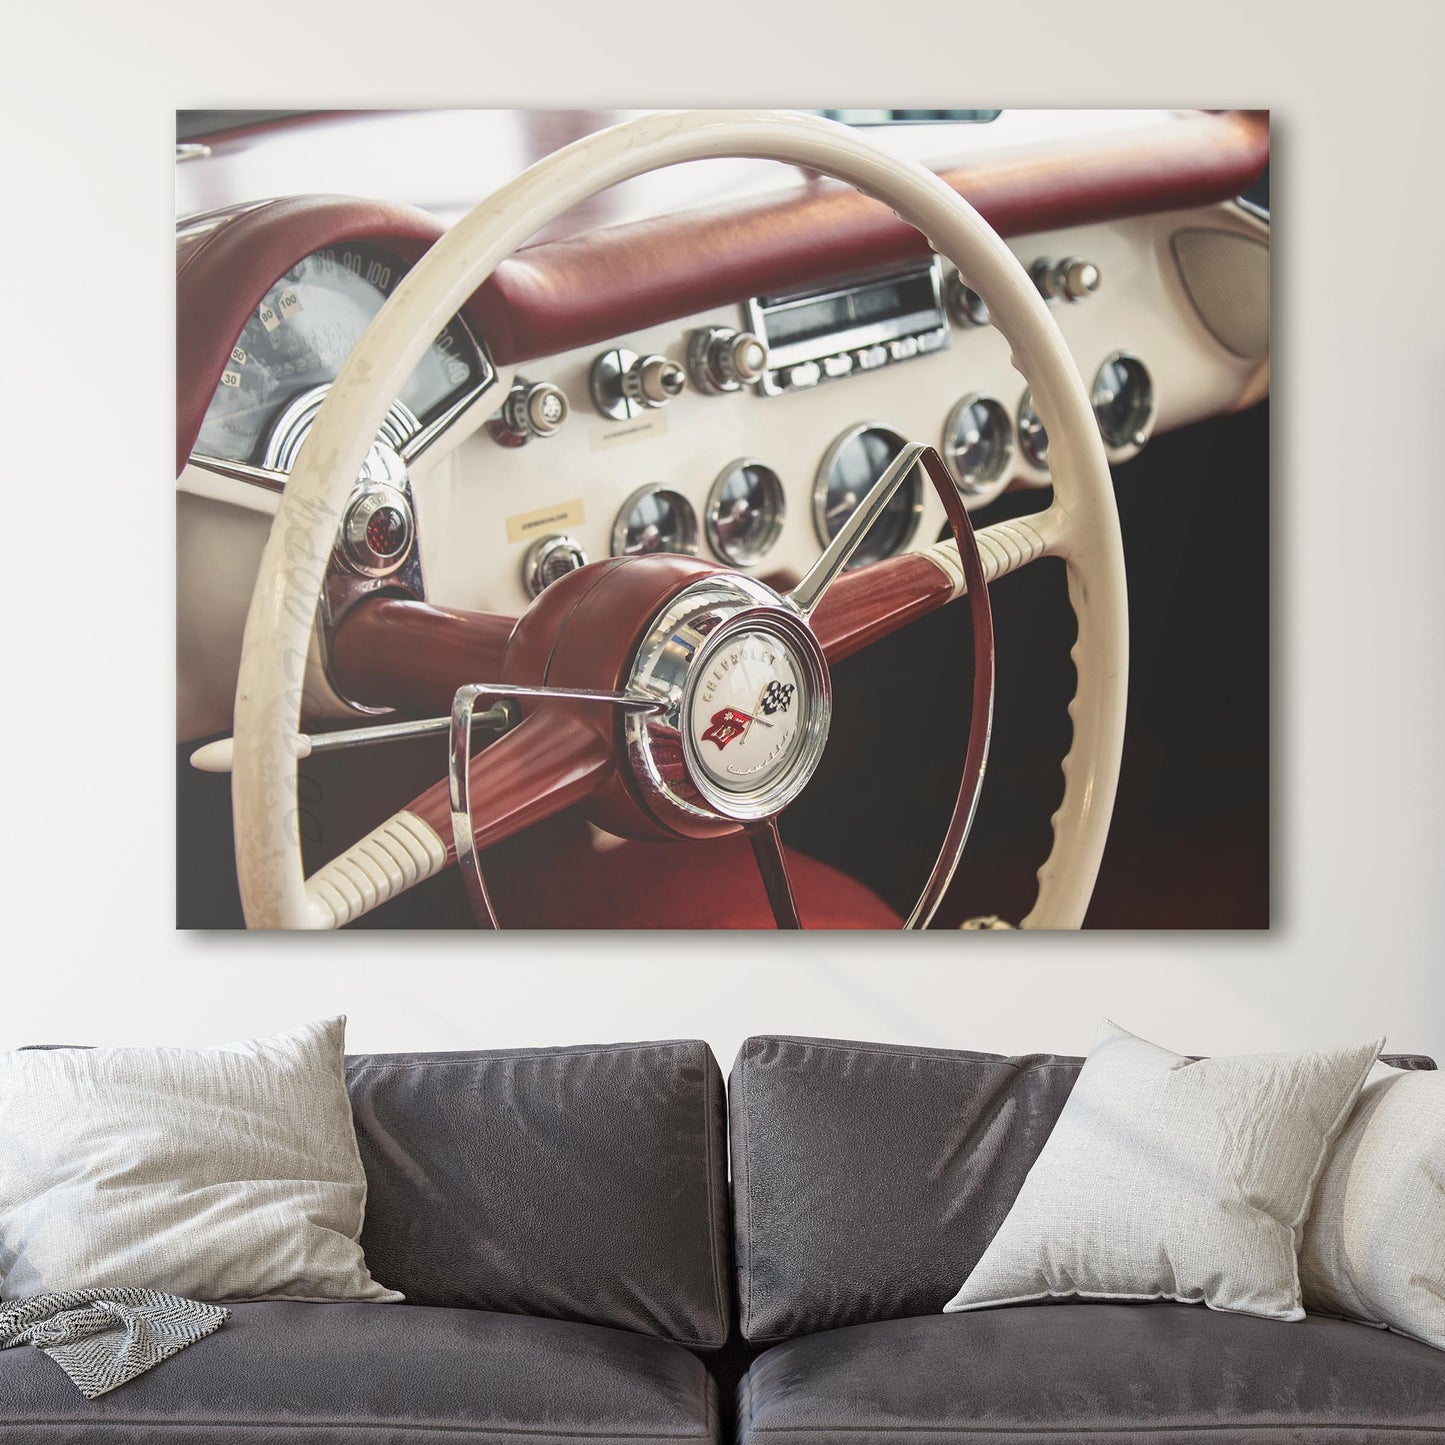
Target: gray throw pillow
x: 1171, y: 1178
x: 1374, y: 1244
x: 220, y: 1174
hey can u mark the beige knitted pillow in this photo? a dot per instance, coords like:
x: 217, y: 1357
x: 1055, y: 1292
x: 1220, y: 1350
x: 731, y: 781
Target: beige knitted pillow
x: 1167, y: 1178
x: 1374, y: 1244
x: 222, y: 1174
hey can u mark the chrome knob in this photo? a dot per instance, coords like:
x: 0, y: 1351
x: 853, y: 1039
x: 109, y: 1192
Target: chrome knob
x: 376, y: 530
x: 653, y: 381
x: 1077, y: 278
x: 965, y: 305
x: 720, y: 359
x: 531, y: 409
x: 534, y: 409
x: 551, y: 558
x: 624, y: 384
x: 1071, y: 278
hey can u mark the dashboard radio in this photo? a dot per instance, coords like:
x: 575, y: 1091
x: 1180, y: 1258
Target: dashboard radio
x: 819, y: 336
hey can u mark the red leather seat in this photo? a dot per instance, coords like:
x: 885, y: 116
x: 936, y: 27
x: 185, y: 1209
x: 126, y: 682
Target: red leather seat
x: 560, y: 876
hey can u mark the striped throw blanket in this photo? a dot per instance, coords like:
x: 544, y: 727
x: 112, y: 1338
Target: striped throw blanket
x: 103, y: 1337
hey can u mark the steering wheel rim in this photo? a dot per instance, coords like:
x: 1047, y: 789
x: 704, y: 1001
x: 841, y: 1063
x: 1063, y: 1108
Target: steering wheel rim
x: 1081, y: 526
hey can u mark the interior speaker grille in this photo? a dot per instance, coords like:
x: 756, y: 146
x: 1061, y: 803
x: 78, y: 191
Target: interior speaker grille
x: 1226, y: 276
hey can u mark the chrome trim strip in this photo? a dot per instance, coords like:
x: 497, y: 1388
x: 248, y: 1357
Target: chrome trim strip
x: 240, y: 471
x: 434, y: 428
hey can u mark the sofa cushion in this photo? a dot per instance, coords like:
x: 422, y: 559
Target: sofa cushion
x: 1105, y: 1374
x: 868, y: 1179
x: 576, y: 1183
x: 321, y: 1374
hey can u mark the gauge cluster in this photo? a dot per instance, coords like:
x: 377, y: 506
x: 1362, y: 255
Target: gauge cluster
x: 294, y: 344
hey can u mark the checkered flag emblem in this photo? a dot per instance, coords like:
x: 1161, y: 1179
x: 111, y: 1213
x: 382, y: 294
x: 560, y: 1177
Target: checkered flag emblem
x: 778, y: 698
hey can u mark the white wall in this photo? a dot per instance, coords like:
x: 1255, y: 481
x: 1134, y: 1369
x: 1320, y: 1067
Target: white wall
x: 1358, y: 506
x: 1195, y: 994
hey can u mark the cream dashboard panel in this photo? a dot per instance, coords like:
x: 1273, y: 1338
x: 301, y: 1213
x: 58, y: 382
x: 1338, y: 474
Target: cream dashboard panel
x: 480, y: 510
x: 480, y: 505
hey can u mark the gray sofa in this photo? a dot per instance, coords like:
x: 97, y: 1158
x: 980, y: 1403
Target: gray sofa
x: 559, y: 1220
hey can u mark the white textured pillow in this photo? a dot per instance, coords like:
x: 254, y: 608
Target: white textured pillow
x: 1374, y: 1244
x: 222, y: 1174
x: 1171, y: 1179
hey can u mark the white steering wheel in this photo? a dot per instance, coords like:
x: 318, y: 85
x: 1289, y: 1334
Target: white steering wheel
x: 1081, y: 525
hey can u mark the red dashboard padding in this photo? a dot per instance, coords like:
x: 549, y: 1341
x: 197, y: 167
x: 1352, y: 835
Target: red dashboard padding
x: 582, y: 290
x: 555, y: 877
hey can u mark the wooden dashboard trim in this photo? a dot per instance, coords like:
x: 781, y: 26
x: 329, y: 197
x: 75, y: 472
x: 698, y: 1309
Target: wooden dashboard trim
x: 578, y: 291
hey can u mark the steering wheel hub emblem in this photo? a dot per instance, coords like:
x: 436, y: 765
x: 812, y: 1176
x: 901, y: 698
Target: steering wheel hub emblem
x: 746, y: 703
x: 760, y: 719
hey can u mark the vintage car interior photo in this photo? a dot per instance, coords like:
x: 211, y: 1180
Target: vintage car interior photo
x: 574, y: 497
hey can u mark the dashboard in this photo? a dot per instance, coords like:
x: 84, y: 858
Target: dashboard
x: 743, y: 432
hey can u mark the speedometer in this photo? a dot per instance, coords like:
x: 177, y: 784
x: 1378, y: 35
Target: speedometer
x: 300, y: 335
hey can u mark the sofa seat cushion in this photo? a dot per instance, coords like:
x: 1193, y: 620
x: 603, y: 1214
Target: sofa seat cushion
x: 380, y: 1374
x: 1102, y: 1373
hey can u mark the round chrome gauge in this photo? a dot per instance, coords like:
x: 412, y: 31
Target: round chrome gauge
x: 1124, y: 401
x: 744, y: 513
x: 852, y: 465
x: 1033, y: 439
x: 654, y: 519
x: 978, y: 441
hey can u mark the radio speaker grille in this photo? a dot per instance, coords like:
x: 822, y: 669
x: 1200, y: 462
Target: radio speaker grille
x: 1226, y: 276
